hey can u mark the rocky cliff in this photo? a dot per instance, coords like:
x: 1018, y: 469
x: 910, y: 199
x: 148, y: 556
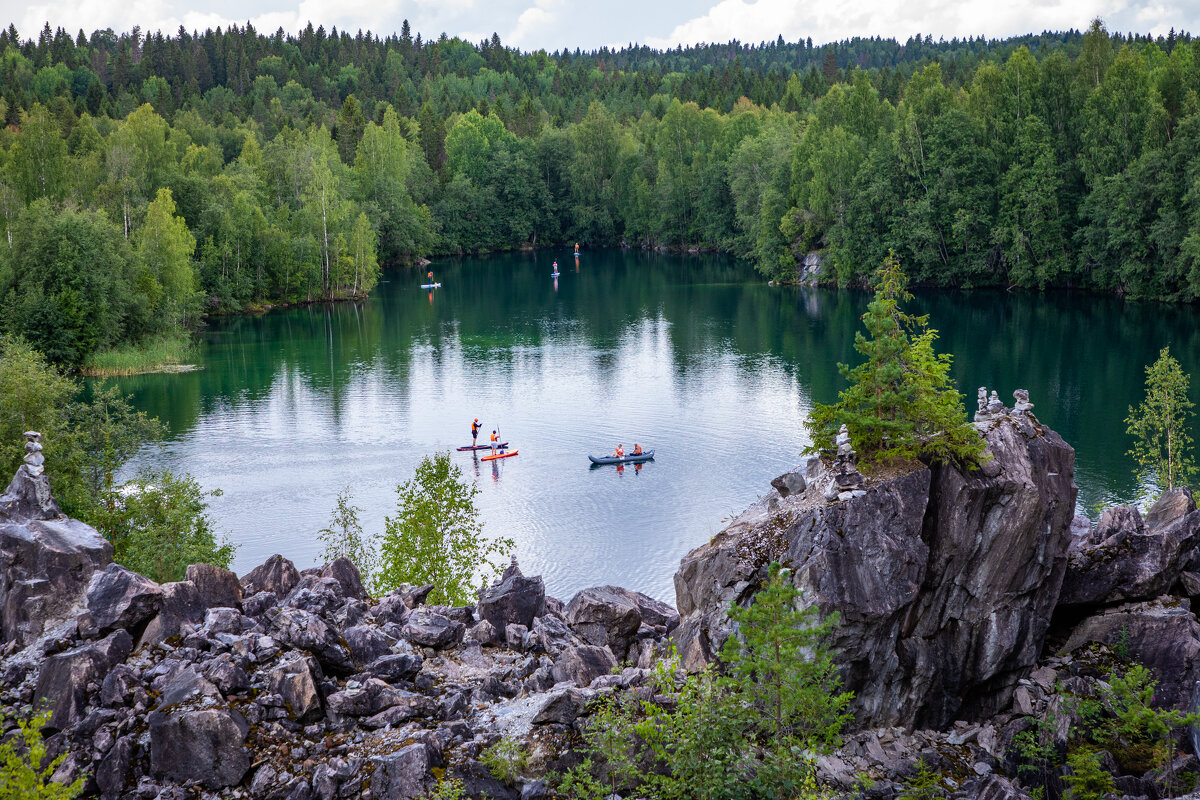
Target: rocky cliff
x: 944, y: 579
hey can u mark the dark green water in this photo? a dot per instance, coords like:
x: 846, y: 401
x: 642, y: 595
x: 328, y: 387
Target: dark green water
x: 692, y: 356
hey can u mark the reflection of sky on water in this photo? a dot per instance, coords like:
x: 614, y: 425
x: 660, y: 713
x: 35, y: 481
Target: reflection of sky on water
x: 690, y: 356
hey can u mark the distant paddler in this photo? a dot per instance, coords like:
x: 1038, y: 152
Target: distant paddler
x: 577, y: 249
x: 475, y: 426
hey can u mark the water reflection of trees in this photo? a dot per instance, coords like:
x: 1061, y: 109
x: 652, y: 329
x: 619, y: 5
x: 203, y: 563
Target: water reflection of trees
x: 497, y: 318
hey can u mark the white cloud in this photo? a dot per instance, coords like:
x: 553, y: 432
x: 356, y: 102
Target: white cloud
x: 764, y: 20
x: 533, y: 22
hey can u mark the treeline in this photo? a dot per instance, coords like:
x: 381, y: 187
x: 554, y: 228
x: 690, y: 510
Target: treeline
x: 146, y: 180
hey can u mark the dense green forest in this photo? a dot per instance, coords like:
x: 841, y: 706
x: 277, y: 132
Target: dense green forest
x: 146, y: 180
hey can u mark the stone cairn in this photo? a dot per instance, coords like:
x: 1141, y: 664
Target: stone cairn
x: 34, y: 460
x: 29, y: 493
x: 990, y: 408
x: 846, y: 478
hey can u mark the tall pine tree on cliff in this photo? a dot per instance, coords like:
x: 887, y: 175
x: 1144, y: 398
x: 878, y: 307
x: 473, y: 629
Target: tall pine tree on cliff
x: 900, y: 403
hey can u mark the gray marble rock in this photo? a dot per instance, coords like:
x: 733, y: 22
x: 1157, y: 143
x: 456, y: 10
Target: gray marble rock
x: 119, y: 598
x: 206, y: 746
x: 430, y: 629
x: 944, y: 579
x: 276, y: 575
x: 512, y: 600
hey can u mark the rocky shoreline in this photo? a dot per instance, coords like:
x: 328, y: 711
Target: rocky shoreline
x: 968, y: 600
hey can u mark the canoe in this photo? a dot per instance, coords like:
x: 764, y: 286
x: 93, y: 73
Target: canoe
x: 499, y: 455
x: 629, y: 458
x: 479, y: 447
x: 431, y: 286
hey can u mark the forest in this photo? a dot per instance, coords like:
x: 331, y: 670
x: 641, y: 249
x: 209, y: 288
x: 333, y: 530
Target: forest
x: 147, y: 180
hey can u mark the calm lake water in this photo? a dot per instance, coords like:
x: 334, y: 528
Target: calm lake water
x: 692, y: 356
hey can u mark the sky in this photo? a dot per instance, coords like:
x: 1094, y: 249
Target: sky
x: 590, y: 24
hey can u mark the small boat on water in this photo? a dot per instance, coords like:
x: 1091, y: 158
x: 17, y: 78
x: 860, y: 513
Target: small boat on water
x: 499, y: 455
x: 431, y: 286
x: 628, y: 458
x: 479, y: 447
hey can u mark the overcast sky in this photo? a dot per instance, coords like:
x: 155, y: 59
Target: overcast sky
x: 556, y: 24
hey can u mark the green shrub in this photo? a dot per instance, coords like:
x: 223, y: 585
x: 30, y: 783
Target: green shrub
x: 506, y: 760
x: 436, y: 536
x: 158, y: 526
x: 1087, y: 780
x: 927, y: 784
x: 22, y: 775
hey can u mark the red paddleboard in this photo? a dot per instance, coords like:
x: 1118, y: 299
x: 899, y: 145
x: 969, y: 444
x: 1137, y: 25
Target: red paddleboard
x: 499, y: 455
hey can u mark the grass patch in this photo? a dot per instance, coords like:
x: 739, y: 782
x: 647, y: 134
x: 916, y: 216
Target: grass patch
x: 169, y: 352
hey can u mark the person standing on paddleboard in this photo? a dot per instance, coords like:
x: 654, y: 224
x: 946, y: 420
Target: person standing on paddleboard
x: 475, y: 426
x: 577, y: 249
x: 495, y: 442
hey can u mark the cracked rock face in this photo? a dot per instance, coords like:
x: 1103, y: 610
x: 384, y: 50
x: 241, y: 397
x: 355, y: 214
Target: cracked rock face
x: 944, y: 579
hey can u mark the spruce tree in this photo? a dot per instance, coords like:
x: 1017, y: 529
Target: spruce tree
x: 900, y: 403
x: 1161, y: 425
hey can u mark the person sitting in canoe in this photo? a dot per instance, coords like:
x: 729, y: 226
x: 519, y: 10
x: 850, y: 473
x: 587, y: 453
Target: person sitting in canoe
x: 475, y: 426
x: 637, y: 449
x: 619, y: 451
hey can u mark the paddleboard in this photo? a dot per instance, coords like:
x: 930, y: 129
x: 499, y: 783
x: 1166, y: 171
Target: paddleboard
x: 499, y: 455
x: 479, y: 447
x: 431, y: 286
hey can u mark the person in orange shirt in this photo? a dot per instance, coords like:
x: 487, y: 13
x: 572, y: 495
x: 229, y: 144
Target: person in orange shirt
x: 475, y: 426
x: 619, y: 451
x: 637, y: 449
x: 495, y: 442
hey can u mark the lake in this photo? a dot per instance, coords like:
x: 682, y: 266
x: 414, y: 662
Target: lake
x: 693, y: 356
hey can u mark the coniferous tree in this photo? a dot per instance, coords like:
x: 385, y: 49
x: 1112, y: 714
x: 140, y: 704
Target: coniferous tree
x: 900, y: 402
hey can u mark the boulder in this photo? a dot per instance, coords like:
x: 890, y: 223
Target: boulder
x: 512, y: 600
x: 62, y: 684
x: 396, y: 667
x: 181, y: 605
x: 1132, y: 560
x: 215, y: 586
x: 1161, y: 634
x: 119, y: 598
x: 429, y: 629
x: 561, y: 707
x: 403, y: 774
x: 206, y: 746
x: 346, y: 574
x: 305, y: 631
x: 364, y: 700
x: 295, y: 681
x: 256, y: 605
x: 790, y: 483
x: 112, y: 771
x: 582, y: 665
x: 606, y: 615
x: 186, y: 686
x: 944, y: 579
x: 45, y: 569
x: 483, y: 632
x: 367, y: 643
x: 276, y: 575
x: 1170, y: 507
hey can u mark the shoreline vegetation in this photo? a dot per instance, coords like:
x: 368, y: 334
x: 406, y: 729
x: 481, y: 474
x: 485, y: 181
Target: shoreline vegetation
x: 173, y: 352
